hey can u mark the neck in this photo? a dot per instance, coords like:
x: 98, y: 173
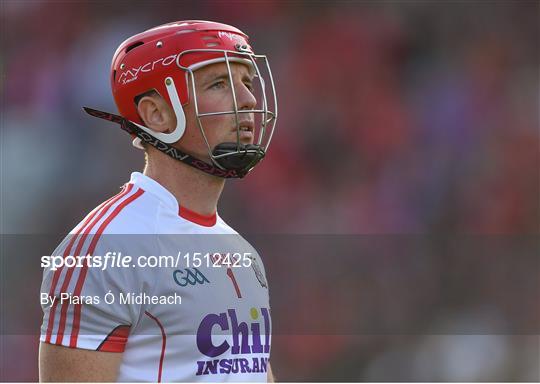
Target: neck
x: 193, y: 189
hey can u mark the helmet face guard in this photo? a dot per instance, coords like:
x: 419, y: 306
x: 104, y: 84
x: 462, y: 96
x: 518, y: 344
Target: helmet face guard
x: 235, y: 155
x: 165, y: 59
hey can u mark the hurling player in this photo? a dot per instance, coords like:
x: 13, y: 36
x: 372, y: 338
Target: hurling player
x: 200, y: 103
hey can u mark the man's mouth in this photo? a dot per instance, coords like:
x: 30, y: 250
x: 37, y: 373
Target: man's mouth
x: 246, y: 126
x: 245, y: 131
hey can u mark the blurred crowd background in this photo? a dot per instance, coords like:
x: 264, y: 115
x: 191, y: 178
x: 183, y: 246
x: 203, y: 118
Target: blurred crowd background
x: 396, y: 118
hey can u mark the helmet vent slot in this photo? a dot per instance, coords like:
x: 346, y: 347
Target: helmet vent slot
x: 185, y: 31
x: 133, y: 46
x: 211, y: 41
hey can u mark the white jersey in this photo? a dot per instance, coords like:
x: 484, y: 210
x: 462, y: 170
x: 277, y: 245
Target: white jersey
x: 205, y: 318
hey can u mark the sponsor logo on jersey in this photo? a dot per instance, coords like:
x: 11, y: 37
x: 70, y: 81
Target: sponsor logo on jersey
x: 237, y: 365
x: 189, y: 276
x: 223, y: 333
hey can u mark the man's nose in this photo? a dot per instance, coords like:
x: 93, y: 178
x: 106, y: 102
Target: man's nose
x: 245, y: 99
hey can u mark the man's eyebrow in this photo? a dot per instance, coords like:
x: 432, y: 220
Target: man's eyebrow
x: 213, y: 76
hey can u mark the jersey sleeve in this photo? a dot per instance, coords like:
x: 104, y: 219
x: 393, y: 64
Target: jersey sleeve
x: 84, y: 307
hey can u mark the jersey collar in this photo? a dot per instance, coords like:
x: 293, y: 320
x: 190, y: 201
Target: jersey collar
x: 150, y: 185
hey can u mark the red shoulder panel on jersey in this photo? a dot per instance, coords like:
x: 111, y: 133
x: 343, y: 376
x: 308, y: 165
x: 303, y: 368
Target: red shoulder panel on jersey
x: 116, y: 340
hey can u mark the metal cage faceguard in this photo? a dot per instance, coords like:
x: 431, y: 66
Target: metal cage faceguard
x: 236, y: 155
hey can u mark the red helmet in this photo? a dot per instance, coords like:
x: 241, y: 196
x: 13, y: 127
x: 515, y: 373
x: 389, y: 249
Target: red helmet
x: 142, y: 62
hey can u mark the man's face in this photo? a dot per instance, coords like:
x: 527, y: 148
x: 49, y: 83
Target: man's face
x: 214, y: 94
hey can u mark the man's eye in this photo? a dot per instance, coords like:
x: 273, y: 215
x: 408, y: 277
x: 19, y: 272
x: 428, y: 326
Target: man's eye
x: 218, y: 84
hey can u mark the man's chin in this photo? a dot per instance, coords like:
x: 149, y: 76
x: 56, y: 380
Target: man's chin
x: 246, y: 142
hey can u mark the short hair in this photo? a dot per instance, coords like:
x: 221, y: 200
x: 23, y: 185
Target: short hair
x: 151, y: 92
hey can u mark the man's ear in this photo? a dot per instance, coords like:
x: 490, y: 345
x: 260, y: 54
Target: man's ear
x: 156, y: 114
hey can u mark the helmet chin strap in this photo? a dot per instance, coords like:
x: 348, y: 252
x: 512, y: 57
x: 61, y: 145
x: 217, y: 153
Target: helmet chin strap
x: 233, y: 160
x: 237, y: 157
